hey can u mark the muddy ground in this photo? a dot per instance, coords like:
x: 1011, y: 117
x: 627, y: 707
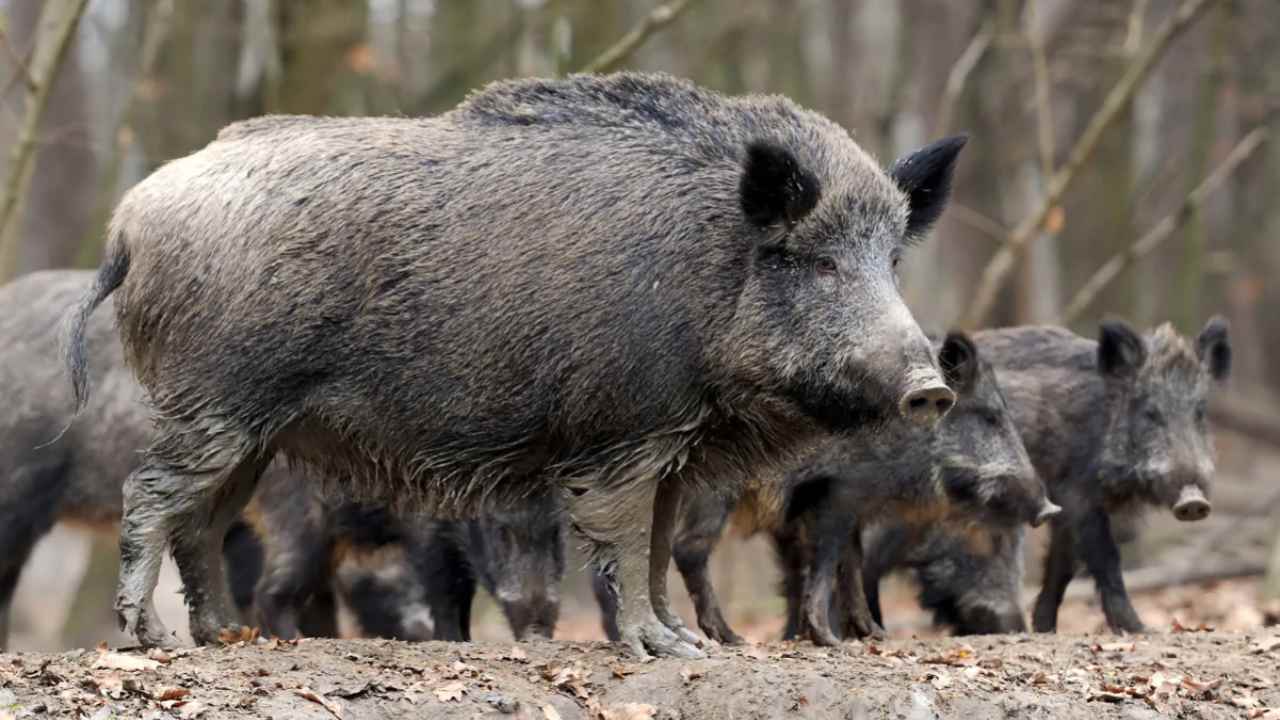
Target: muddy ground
x: 1187, y: 673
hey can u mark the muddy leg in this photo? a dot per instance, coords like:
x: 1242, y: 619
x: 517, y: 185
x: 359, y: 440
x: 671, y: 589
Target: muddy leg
x: 858, y: 615
x: 1102, y: 558
x: 1059, y: 567
x: 294, y: 571
x: 879, y: 560
x: 144, y: 535
x: 619, y: 520
x: 210, y: 504
x: 792, y: 556
x: 666, y: 514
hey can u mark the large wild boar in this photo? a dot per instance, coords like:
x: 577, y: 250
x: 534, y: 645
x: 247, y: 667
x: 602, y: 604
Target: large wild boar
x: 1114, y: 427
x: 609, y: 286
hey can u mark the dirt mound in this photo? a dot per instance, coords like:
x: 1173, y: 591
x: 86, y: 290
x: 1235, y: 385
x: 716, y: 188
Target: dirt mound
x: 1185, y: 674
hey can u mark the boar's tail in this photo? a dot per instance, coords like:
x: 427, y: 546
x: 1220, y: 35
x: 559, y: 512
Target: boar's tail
x: 114, y: 267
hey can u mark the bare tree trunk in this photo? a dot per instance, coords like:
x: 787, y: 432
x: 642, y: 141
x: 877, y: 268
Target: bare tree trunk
x: 58, y: 22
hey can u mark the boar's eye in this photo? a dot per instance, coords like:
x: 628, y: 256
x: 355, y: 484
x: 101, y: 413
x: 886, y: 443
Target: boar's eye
x: 991, y: 417
x: 1202, y: 413
x: 825, y: 266
x: 1153, y: 415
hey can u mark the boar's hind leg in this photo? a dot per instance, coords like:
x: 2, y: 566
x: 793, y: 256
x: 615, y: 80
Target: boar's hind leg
x: 858, y: 617
x: 1059, y: 567
x: 1102, y: 558
x: 621, y: 519
x: 190, y: 510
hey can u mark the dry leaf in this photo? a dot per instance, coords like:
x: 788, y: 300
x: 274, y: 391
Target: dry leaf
x: 169, y: 693
x: 939, y: 680
x: 754, y: 652
x: 241, y: 634
x: 958, y: 657
x: 550, y: 713
x: 1180, y: 628
x: 159, y: 655
x: 619, y: 670
x: 1114, y: 647
x: 120, y: 661
x: 688, y: 674
x: 1055, y: 220
x: 1265, y: 645
x: 451, y: 692
x: 1263, y: 714
x: 628, y: 711
x: 191, y: 710
x: 515, y: 653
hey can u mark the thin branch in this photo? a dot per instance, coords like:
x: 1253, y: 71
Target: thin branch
x: 657, y: 18
x: 57, y: 25
x: 21, y: 71
x: 1002, y: 263
x: 978, y: 221
x: 958, y: 78
x: 1112, y: 268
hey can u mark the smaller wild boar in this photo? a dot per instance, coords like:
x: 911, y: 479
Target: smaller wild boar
x: 972, y: 470
x: 969, y: 577
x: 1113, y: 427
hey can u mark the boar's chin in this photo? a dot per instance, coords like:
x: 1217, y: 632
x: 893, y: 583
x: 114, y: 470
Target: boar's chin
x: 843, y: 411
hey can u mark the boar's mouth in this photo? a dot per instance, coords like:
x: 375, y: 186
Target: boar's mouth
x: 838, y: 411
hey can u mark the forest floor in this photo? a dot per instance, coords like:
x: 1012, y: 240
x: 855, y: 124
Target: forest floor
x: 1181, y: 672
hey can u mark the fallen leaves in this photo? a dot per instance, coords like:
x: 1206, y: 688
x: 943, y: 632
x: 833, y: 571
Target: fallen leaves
x: 240, y: 634
x: 550, y: 713
x: 688, y: 674
x: 960, y: 656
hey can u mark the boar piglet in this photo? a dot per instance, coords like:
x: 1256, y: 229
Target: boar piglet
x: 1113, y: 427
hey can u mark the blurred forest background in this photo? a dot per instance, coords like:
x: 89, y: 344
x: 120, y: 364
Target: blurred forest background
x: 1123, y: 161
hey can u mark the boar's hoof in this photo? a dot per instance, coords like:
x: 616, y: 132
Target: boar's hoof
x: 1192, y: 505
x: 925, y: 406
x: 721, y: 632
x: 144, y: 626
x: 654, y: 637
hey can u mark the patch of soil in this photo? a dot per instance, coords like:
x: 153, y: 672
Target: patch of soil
x: 1183, y: 673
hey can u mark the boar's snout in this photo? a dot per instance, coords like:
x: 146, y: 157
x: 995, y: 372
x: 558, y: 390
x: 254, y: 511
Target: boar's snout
x: 1047, y: 511
x: 1191, y: 505
x: 927, y: 404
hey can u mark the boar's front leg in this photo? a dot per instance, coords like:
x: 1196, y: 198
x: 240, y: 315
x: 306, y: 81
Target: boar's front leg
x: 1102, y: 558
x: 859, y: 619
x: 619, y: 517
x: 1059, y: 567
x: 702, y: 522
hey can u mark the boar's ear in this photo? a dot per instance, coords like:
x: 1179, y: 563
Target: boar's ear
x: 925, y: 176
x: 959, y: 361
x: 1214, y: 348
x: 1121, y: 350
x: 774, y: 187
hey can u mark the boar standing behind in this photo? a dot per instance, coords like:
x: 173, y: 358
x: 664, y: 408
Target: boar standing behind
x: 1113, y: 427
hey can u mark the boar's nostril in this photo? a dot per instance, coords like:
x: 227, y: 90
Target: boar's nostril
x: 925, y: 406
x: 1192, y: 505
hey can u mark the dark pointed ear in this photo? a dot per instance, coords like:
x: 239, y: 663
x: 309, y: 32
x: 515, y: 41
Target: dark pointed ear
x: 1121, y: 350
x: 925, y: 176
x: 958, y: 359
x: 775, y: 189
x: 1214, y: 348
